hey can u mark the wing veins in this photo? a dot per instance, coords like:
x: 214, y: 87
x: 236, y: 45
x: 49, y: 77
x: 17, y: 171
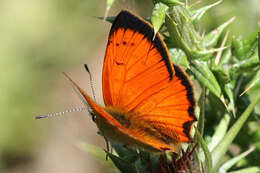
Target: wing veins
x: 145, y: 70
x: 148, y: 95
x: 175, y: 105
x: 172, y: 94
x: 140, y: 116
x: 140, y: 58
x: 165, y: 123
x: 134, y: 35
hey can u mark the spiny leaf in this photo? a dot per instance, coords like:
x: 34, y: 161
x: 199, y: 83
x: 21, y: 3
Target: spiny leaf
x: 211, y: 39
x: 223, y: 145
x: 228, y: 164
x: 242, y: 49
x: 221, y: 74
x: 252, y: 82
x: 229, y: 90
x: 223, y: 43
x: 253, y: 169
x: 201, y: 122
x: 172, y: 2
x: 183, y: 33
x: 245, y: 65
x: 225, y: 58
x: 196, y: 15
x: 220, y: 131
x: 206, y: 77
x: 205, y: 150
x: 179, y: 57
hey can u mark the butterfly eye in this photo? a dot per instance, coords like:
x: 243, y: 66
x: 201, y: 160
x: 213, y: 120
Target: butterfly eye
x: 93, y: 116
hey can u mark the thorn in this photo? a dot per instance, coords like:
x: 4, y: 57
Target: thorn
x: 195, y: 3
x: 106, y: 13
x: 248, y: 88
x: 218, y: 56
x: 154, y: 35
x: 224, y: 102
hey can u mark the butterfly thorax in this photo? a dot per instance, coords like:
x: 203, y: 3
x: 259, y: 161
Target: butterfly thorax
x: 115, y: 133
x: 120, y: 115
x: 127, y: 118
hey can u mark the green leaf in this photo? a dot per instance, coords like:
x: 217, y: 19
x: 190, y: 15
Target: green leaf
x: 253, y: 169
x: 223, y: 145
x: 205, y: 54
x: 206, y: 77
x: 220, y: 131
x: 183, y: 33
x: 122, y: 165
x: 196, y: 15
x: 250, y: 62
x: 229, y: 90
x: 246, y: 64
x: 221, y: 74
x: 205, y: 150
x: 128, y: 154
x: 158, y: 16
x: 179, y: 57
x: 225, y: 57
x: 201, y: 122
x: 172, y: 2
x: 228, y: 164
x: 211, y: 39
x: 259, y: 45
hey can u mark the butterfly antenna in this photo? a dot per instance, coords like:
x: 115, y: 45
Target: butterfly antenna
x: 61, y: 113
x: 91, y: 81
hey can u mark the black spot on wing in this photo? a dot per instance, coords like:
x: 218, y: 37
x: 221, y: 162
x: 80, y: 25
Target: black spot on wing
x: 127, y: 20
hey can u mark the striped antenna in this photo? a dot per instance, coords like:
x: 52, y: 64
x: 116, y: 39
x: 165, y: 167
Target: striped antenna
x: 91, y: 81
x: 61, y: 113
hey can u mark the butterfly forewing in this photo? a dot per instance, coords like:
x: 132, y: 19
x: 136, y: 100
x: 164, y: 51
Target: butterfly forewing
x: 139, y: 78
x: 134, y: 63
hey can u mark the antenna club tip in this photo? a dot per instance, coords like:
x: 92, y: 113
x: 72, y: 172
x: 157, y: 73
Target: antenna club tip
x: 40, y: 116
x: 86, y: 67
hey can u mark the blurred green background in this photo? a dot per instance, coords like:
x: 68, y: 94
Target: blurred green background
x: 41, y: 39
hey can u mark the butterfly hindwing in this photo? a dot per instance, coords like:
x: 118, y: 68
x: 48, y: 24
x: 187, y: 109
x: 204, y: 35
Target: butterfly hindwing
x: 171, y: 110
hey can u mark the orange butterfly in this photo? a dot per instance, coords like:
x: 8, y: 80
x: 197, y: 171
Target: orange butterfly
x: 149, y: 101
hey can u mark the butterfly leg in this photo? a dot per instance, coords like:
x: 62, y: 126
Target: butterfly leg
x: 108, y: 150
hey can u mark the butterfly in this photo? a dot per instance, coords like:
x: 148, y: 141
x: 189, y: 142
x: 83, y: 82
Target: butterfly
x: 149, y: 101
